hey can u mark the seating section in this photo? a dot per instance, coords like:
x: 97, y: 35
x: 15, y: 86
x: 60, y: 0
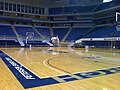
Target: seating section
x: 116, y: 34
x: 60, y: 32
x: 80, y: 26
x: 76, y: 33
x: 116, y: 2
x: 57, y: 10
x: 45, y: 31
x: 23, y: 30
x: 78, y: 9
x: 83, y: 9
x: 101, y: 32
x: 6, y: 31
x: 71, y: 9
x: 104, y: 6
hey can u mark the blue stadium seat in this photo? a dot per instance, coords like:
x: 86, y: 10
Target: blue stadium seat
x: 60, y: 32
x: 100, y: 32
x: 104, y: 6
x: 76, y: 33
x: 57, y: 10
x: 117, y: 34
x: 6, y: 30
x: 79, y: 9
x: 22, y: 30
x: 45, y: 31
x: 72, y: 9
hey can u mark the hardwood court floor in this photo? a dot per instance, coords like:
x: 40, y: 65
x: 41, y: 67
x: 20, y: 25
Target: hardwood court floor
x: 52, y: 62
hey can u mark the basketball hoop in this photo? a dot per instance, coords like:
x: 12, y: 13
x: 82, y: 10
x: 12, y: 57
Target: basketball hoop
x: 29, y: 36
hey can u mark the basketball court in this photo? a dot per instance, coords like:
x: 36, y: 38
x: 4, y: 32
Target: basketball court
x: 59, y: 68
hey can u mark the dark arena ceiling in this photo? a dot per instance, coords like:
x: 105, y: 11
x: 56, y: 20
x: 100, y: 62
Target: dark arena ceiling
x: 52, y: 3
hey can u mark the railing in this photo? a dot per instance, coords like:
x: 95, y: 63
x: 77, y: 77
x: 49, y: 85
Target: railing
x: 8, y: 37
x: 98, y: 39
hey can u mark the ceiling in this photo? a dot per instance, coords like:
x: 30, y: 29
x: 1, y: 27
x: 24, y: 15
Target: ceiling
x: 51, y: 3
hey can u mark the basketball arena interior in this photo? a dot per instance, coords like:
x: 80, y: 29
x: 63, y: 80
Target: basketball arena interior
x: 60, y: 44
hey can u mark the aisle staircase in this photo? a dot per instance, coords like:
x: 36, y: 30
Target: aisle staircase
x: 51, y: 32
x: 20, y: 40
x: 38, y: 32
x: 64, y: 38
x: 71, y: 44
